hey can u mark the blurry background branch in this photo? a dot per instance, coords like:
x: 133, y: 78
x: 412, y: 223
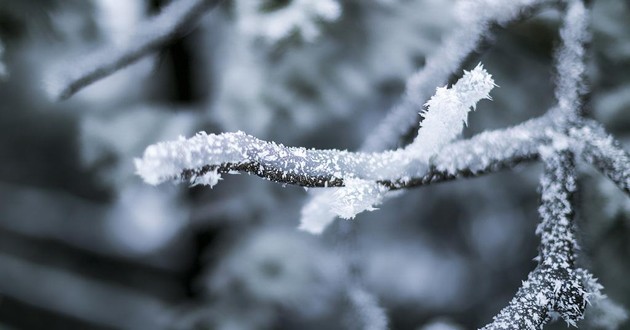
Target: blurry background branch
x: 170, y: 23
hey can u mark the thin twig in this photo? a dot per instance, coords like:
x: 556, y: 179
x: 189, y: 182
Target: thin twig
x: 149, y: 37
x: 556, y: 287
x: 190, y: 159
x: 601, y: 150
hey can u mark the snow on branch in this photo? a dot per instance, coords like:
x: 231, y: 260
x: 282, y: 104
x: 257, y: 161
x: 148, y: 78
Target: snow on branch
x: 569, y: 59
x: 475, y: 19
x: 603, y: 152
x: 203, y: 157
x: 445, y: 115
x: 193, y: 159
x: 151, y: 35
x: 556, y: 288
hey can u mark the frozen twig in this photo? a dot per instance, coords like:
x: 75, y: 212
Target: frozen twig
x: 149, y: 37
x: 202, y: 158
x: 569, y: 59
x: 192, y: 159
x: 476, y: 18
x: 556, y: 288
x: 605, y: 153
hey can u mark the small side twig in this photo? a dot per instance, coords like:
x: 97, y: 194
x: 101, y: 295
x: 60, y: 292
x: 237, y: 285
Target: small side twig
x: 601, y: 150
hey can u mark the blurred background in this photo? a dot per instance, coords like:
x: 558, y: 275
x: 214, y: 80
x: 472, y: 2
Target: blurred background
x: 85, y: 244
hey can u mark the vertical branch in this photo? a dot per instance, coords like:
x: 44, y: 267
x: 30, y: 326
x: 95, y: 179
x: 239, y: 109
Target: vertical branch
x: 569, y: 60
x: 555, y: 287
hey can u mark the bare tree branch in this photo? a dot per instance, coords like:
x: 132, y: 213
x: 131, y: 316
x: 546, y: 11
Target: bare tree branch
x: 151, y: 35
x: 192, y: 159
x: 601, y: 150
x: 556, y: 288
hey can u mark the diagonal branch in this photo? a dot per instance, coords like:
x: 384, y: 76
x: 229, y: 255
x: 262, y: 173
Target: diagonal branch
x: 605, y: 153
x: 556, y: 287
x: 477, y: 18
x: 203, y: 157
x: 151, y: 35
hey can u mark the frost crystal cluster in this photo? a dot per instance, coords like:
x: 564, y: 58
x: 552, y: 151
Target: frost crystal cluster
x: 351, y: 182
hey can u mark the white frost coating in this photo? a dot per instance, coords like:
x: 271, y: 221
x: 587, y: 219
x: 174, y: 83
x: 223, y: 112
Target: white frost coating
x: 314, y: 218
x: 570, y: 64
x: 444, y: 118
x: 556, y: 288
x: 475, y: 18
x: 355, y: 197
x: 300, y: 16
x: 447, y: 111
x: 602, y: 151
x: 210, y: 178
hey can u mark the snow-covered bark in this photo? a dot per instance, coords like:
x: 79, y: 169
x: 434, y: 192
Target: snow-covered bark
x: 556, y: 288
x: 151, y: 35
x: 189, y: 159
x: 570, y: 66
x: 475, y: 20
x: 602, y: 151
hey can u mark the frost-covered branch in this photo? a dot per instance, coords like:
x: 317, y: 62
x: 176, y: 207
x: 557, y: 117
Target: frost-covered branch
x: 203, y: 158
x: 196, y: 158
x: 605, y: 153
x: 151, y: 35
x: 556, y: 288
x: 569, y: 59
x: 475, y: 19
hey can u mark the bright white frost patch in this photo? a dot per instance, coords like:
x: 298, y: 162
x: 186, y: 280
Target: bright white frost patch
x: 210, y: 178
x: 447, y: 111
x: 299, y: 16
x: 444, y: 118
x: 357, y: 196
